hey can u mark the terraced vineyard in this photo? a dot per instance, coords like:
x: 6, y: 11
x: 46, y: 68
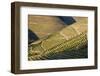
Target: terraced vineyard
x: 44, y: 48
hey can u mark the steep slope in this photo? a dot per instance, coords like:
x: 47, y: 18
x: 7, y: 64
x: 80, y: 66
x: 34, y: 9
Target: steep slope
x: 71, y: 38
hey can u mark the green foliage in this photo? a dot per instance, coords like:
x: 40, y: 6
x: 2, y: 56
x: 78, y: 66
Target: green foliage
x: 38, y: 52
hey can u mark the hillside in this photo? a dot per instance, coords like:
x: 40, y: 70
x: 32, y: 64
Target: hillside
x: 71, y: 40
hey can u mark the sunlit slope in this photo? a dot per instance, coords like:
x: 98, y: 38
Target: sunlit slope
x: 71, y: 38
x: 44, y: 25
